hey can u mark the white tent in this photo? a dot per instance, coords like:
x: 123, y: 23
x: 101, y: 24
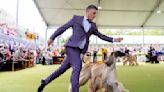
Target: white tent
x: 114, y: 13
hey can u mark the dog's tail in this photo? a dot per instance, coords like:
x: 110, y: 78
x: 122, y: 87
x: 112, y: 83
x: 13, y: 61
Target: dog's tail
x: 85, y: 74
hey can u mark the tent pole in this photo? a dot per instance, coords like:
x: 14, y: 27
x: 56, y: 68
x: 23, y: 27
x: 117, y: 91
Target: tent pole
x: 17, y: 13
x: 16, y: 24
x: 46, y: 38
x: 143, y: 37
x: 58, y: 41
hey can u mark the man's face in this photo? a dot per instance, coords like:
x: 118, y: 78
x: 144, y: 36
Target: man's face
x: 91, y: 14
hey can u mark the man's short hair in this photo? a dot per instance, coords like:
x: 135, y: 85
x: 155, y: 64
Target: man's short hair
x: 91, y: 7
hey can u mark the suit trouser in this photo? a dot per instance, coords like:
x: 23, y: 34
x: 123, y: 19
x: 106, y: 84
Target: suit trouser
x: 73, y: 60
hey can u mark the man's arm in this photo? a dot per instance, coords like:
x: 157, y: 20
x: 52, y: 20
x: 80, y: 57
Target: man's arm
x: 60, y: 30
x: 106, y: 38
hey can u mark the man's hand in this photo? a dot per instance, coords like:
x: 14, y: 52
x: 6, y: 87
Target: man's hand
x: 119, y: 39
x: 50, y: 41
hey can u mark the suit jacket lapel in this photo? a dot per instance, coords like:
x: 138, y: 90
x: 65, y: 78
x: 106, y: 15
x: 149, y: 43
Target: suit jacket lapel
x: 81, y: 24
x: 91, y: 28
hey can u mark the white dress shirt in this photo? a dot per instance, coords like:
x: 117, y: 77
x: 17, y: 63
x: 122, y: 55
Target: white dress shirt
x: 86, y: 26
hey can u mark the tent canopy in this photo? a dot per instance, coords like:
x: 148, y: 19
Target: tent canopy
x: 114, y: 13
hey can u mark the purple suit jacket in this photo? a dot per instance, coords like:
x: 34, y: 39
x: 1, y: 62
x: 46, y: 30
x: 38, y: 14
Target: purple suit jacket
x: 79, y: 33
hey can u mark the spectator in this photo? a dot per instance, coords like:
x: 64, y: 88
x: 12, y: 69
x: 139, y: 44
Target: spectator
x: 95, y: 55
x: 47, y: 57
x: 62, y: 51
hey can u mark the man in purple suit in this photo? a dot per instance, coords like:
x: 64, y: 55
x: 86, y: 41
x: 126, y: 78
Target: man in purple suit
x: 83, y: 28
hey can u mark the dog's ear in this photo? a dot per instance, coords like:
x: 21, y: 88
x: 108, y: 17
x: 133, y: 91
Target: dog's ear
x: 118, y: 54
x: 109, y: 60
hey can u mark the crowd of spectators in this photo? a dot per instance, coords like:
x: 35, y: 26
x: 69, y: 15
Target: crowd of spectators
x: 147, y: 53
x: 22, y: 56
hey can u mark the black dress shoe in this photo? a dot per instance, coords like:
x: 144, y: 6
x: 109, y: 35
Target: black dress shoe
x: 41, y: 87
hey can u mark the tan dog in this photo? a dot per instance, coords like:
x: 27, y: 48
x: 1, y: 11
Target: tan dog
x: 87, y: 58
x: 131, y: 59
x: 102, y: 76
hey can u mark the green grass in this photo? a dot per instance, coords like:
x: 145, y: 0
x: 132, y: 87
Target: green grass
x: 142, y: 78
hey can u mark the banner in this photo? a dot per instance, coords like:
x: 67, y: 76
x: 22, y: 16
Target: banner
x: 30, y: 36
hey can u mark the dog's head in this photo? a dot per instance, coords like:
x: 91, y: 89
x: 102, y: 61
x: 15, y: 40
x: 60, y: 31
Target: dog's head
x: 113, y: 57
